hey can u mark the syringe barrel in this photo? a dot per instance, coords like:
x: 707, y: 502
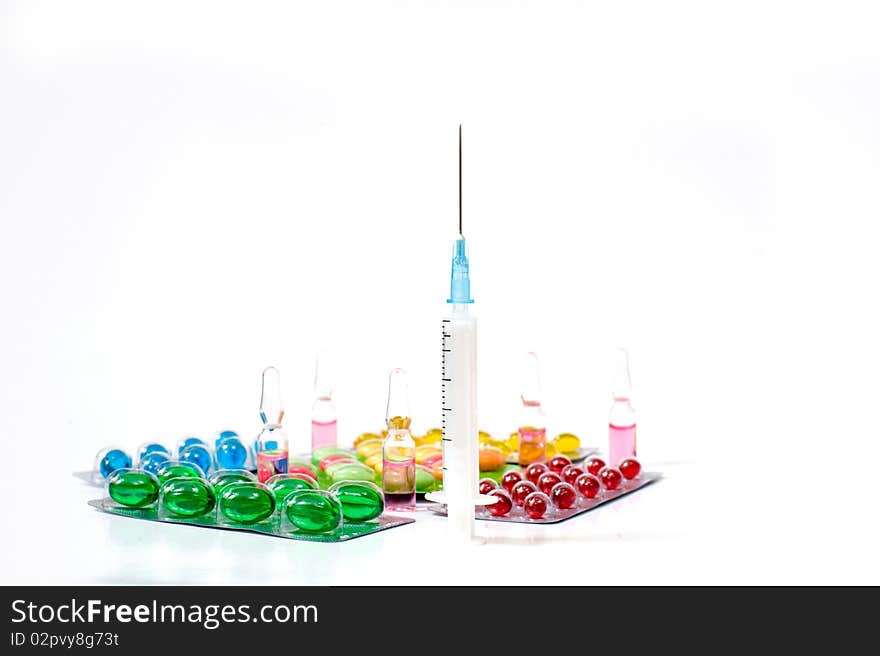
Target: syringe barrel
x: 460, y: 428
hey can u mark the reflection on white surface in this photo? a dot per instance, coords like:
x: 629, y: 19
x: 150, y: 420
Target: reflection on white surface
x: 102, y: 548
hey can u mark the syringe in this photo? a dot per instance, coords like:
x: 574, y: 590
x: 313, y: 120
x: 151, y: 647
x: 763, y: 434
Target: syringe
x: 459, y: 395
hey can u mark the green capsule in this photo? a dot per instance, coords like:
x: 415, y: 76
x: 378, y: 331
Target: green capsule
x: 220, y: 479
x: 133, y: 488
x: 175, y: 469
x: 313, y: 511
x: 425, y: 481
x: 188, y: 497
x: 247, y: 503
x: 283, y: 484
x: 319, y: 454
x: 350, y: 471
x: 361, y: 501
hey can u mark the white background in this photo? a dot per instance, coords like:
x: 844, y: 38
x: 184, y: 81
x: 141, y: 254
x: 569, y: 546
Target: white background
x: 192, y: 191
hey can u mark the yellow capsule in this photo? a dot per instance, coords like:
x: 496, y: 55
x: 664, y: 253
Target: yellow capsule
x: 498, y: 445
x: 550, y: 450
x: 513, y: 441
x: 432, y: 436
x: 425, y: 451
x: 566, y: 442
x: 371, y: 460
x: 368, y: 447
x: 363, y: 437
x: 485, y: 437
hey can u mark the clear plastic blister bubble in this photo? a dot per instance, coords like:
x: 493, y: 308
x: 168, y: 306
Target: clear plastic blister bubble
x: 500, y: 508
x: 108, y: 460
x: 186, y: 497
x: 311, y: 511
x: 188, y: 440
x: 176, y: 469
x: 231, y: 453
x: 152, y: 461
x: 199, y: 455
x: 361, y: 501
x: 223, y: 477
x: 221, y: 435
x: 249, y: 504
x: 537, y: 505
x: 147, y: 448
x: 563, y: 495
x: 284, y: 484
x: 132, y: 488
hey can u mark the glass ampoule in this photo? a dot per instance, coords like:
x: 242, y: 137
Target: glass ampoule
x: 532, y: 421
x: 622, y: 420
x: 399, y: 448
x: 323, y: 409
x: 272, y: 444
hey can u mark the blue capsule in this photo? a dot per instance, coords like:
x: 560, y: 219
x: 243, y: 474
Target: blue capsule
x: 197, y: 454
x: 152, y: 461
x: 189, y: 441
x: 222, y: 435
x: 151, y: 447
x: 231, y: 453
x: 114, y: 459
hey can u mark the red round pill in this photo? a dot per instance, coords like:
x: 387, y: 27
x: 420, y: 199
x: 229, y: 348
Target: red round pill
x: 558, y: 463
x: 503, y: 505
x: 536, y: 505
x: 611, y: 477
x: 563, y: 495
x: 510, y: 479
x: 593, y: 465
x: 630, y: 468
x: 487, y: 485
x: 534, y: 471
x: 547, y: 480
x: 570, y: 474
x: 588, y: 485
x: 521, y: 490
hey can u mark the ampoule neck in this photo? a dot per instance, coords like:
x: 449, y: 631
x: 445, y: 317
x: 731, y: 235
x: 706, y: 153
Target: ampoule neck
x: 398, y: 423
x: 399, y: 435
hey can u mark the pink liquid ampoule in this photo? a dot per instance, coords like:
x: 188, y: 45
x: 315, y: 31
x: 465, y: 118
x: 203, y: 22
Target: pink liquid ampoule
x: 622, y: 421
x: 323, y: 409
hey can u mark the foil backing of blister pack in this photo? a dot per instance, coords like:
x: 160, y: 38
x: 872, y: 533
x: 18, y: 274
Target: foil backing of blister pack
x: 518, y: 515
x: 348, y: 530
